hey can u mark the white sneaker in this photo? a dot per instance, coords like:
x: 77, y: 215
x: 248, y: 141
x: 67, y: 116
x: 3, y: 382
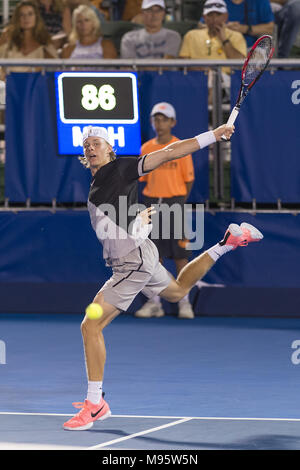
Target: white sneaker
x: 150, y: 309
x: 185, y: 310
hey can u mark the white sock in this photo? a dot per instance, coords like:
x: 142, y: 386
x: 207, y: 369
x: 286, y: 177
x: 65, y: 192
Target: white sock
x: 94, y: 393
x: 215, y: 252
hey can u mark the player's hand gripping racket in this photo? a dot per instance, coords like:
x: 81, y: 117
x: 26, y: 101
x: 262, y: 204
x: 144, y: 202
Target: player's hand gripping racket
x: 256, y: 63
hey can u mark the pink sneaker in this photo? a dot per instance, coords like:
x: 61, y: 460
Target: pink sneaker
x: 87, y: 415
x: 241, y: 235
x: 233, y: 236
x: 251, y: 233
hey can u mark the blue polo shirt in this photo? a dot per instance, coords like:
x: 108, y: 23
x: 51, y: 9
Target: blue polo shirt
x: 250, y: 12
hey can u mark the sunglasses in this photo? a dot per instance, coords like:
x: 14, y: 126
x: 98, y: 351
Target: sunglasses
x: 217, y: 5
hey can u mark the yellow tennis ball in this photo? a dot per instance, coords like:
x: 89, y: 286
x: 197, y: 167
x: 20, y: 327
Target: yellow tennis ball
x: 94, y: 311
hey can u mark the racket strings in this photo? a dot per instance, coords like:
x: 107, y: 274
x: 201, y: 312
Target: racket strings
x: 259, y: 60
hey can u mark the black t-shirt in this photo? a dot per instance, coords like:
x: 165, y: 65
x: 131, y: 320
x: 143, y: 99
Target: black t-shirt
x: 113, y: 206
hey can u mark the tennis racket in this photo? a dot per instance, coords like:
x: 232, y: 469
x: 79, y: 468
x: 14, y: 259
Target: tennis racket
x: 254, y: 66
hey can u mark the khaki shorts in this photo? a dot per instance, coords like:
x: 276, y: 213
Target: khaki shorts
x: 139, y: 271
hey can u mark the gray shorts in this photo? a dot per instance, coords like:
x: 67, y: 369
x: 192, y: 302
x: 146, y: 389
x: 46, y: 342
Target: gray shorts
x: 139, y: 271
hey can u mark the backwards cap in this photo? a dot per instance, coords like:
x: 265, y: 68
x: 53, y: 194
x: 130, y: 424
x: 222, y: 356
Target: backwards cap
x: 92, y: 131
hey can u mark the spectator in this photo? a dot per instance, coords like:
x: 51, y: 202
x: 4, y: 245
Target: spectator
x: 169, y: 184
x: 85, y: 40
x: 151, y: 41
x: 215, y: 41
x: 252, y: 18
x: 26, y: 36
x: 287, y: 18
x: 56, y: 15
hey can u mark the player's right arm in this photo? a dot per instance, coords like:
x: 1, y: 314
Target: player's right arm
x: 182, y: 148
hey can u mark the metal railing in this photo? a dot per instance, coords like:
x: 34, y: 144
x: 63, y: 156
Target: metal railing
x: 140, y: 63
x: 218, y: 110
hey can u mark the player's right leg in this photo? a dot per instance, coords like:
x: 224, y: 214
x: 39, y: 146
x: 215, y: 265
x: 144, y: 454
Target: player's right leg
x: 95, y: 357
x: 93, y: 341
x: 130, y: 275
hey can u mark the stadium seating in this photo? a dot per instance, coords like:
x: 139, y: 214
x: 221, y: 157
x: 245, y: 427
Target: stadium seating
x: 182, y: 27
x: 191, y: 9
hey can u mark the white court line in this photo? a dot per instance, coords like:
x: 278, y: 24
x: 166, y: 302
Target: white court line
x: 203, y: 418
x: 209, y: 418
x: 141, y: 433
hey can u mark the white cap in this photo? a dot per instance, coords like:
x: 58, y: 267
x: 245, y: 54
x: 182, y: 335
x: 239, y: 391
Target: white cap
x: 164, y: 108
x: 214, y: 5
x: 92, y: 131
x: 150, y: 3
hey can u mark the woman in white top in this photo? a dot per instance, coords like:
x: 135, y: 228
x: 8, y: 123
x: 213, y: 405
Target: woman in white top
x: 85, y: 40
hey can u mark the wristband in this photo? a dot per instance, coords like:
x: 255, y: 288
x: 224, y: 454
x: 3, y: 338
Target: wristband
x: 205, y: 139
x: 225, y: 42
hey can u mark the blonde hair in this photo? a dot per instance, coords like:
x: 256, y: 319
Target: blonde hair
x: 89, y: 13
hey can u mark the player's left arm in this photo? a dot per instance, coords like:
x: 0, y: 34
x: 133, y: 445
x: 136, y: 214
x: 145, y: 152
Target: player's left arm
x: 182, y: 148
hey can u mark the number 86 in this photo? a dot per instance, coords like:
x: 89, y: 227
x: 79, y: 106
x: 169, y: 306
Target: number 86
x: 92, y: 97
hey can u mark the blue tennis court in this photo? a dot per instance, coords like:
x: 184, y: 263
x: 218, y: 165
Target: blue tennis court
x: 213, y: 383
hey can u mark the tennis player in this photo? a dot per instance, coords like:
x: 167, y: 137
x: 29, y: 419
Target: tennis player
x: 132, y: 256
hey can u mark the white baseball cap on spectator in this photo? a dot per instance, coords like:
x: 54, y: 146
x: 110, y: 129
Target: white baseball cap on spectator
x: 92, y: 131
x: 214, y: 5
x: 164, y: 108
x: 150, y: 3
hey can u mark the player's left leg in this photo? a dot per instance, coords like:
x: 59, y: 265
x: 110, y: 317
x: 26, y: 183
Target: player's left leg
x: 187, y: 278
x: 185, y: 309
x: 234, y: 236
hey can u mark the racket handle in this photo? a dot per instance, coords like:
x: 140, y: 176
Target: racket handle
x: 231, y: 120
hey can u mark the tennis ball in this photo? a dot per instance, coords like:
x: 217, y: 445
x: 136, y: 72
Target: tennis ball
x: 94, y: 311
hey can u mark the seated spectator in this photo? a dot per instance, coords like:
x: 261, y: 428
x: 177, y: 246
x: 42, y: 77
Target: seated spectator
x: 215, y: 41
x: 151, y: 41
x: 26, y: 36
x: 252, y: 18
x: 287, y: 18
x: 85, y: 40
x: 56, y: 15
